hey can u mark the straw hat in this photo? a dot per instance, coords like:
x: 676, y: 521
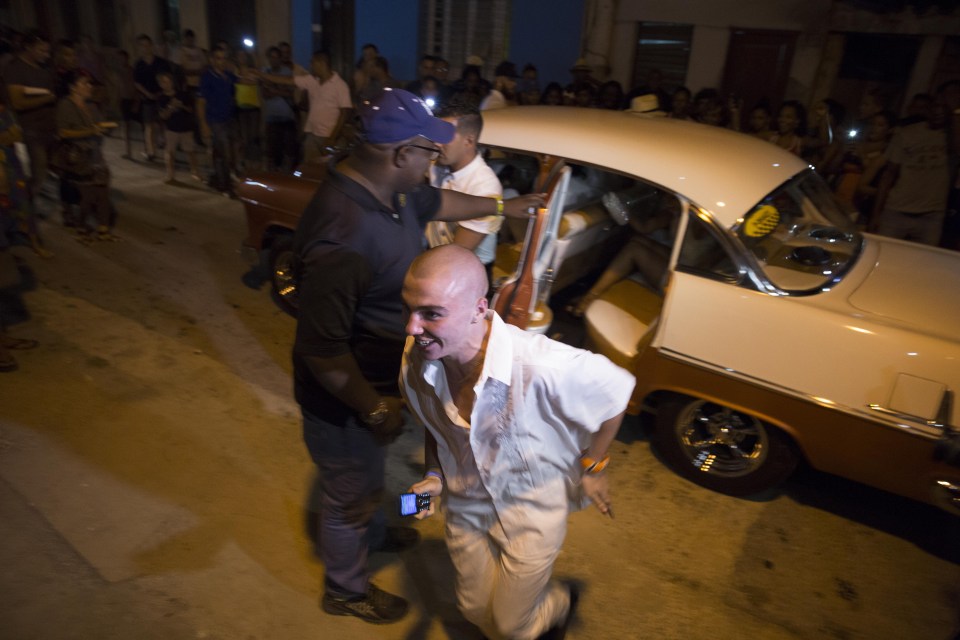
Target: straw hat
x: 647, y: 104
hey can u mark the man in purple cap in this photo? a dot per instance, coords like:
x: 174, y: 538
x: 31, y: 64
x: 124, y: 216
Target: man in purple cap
x: 358, y: 235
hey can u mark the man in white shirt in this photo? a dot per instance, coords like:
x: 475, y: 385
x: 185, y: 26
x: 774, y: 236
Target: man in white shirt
x: 460, y: 167
x: 330, y: 103
x: 518, y: 427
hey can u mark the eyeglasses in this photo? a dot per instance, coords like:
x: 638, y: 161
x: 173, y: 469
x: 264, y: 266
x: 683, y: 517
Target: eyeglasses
x: 434, y: 151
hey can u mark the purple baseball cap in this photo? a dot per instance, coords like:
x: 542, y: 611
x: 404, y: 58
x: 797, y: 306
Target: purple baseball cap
x: 397, y: 115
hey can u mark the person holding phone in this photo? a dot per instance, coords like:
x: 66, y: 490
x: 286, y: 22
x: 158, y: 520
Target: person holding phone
x: 359, y: 233
x: 518, y: 428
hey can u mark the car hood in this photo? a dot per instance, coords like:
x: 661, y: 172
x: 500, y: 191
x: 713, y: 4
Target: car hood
x: 913, y: 285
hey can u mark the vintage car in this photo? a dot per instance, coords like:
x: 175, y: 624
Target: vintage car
x: 762, y: 326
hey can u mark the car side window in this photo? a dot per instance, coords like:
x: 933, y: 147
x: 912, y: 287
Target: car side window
x: 703, y: 254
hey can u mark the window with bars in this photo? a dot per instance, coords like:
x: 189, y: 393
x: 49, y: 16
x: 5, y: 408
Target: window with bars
x: 457, y: 29
x: 664, y: 46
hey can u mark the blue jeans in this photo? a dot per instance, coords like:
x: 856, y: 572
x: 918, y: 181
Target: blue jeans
x: 351, y: 466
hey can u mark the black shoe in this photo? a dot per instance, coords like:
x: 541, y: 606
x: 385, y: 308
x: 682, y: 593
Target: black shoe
x: 398, y: 539
x: 376, y: 607
x: 559, y: 631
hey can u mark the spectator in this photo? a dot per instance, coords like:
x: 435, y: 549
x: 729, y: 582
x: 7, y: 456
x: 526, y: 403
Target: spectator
x: 518, y: 428
x: 192, y: 60
x: 912, y: 196
x: 528, y: 87
x: 441, y: 71
x: 581, y: 74
x: 64, y: 63
x: 791, y: 127
x: 471, y: 88
x: 949, y: 92
x: 759, y: 121
x: 90, y: 60
x: 654, y: 85
x: 78, y: 125
x: 825, y: 141
x: 431, y: 92
x: 552, y: 95
x: 32, y: 90
x: 462, y: 168
x: 129, y: 102
x: 286, y: 55
x: 215, y: 109
x: 582, y: 95
x: 248, y: 111
x: 376, y: 78
x: 862, y: 166
x: 504, y: 90
x: 15, y: 205
x: 279, y: 115
x: 329, y: 104
x: 10, y: 280
x: 708, y: 107
x: 169, y: 47
x: 680, y: 104
x: 425, y: 68
x: 176, y: 110
x: 145, y: 80
x: 610, y: 96
x: 918, y: 110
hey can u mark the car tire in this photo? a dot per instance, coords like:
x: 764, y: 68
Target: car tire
x: 721, y: 448
x: 282, y: 285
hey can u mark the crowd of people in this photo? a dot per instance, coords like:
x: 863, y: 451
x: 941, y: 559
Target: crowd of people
x: 514, y: 442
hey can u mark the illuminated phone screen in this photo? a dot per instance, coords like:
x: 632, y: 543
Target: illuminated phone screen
x: 408, y: 504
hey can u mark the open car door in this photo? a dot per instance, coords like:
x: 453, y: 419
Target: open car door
x: 521, y: 299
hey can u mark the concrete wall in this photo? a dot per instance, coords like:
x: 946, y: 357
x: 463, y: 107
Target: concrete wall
x: 548, y: 34
x: 392, y: 25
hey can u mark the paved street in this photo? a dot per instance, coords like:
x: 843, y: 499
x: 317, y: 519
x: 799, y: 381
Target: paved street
x: 153, y: 483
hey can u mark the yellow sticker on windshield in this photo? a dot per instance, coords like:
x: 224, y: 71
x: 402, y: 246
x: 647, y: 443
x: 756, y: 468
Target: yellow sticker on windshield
x: 761, y: 222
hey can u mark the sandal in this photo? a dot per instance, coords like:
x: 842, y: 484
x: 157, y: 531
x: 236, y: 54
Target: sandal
x: 7, y: 364
x: 104, y: 234
x: 580, y: 307
x: 20, y: 344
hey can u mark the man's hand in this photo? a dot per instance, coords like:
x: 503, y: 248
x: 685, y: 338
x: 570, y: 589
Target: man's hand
x: 596, y: 488
x: 523, y: 206
x: 392, y: 426
x: 433, y: 486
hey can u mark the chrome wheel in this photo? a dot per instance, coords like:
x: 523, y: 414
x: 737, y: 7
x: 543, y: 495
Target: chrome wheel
x: 282, y: 280
x: 716, y: 439
x: 721, y: 448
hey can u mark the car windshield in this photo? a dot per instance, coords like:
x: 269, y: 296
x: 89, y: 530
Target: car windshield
x: 800, y: 237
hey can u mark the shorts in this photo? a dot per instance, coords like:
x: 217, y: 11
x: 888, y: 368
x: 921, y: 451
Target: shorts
x: 130, y: 109
x: 149, y: 112
x: 182, y: 138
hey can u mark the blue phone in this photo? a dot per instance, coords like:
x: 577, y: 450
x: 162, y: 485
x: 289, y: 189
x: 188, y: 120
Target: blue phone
x: 411, y: 503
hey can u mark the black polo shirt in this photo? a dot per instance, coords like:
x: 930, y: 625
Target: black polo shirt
x: 354, y: 254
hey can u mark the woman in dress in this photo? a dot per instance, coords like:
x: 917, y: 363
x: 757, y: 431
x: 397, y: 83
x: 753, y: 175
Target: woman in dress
x: 80, y: 128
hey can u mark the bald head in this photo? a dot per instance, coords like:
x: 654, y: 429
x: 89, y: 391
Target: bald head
x: 453, y: 265
x: 444, y: 297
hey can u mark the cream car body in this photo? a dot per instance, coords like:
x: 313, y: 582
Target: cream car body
x: 858, y: 369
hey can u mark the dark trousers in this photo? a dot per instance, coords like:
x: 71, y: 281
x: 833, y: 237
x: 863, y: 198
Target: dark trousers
x: 351, y: 468
x: 221, y: 141
x: 281, y: 145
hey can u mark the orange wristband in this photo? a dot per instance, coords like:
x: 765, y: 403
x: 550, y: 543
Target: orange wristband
x: 592, y: 466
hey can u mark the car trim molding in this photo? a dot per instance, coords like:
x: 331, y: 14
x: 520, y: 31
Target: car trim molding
x: 887, y: 418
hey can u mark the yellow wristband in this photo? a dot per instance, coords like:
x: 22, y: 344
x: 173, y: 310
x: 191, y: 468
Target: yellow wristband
x: 499, y: 206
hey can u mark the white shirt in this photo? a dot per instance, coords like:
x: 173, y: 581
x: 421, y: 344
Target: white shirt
x: 538, y: 402
x: 326, y: 100
x: 475, y: 179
